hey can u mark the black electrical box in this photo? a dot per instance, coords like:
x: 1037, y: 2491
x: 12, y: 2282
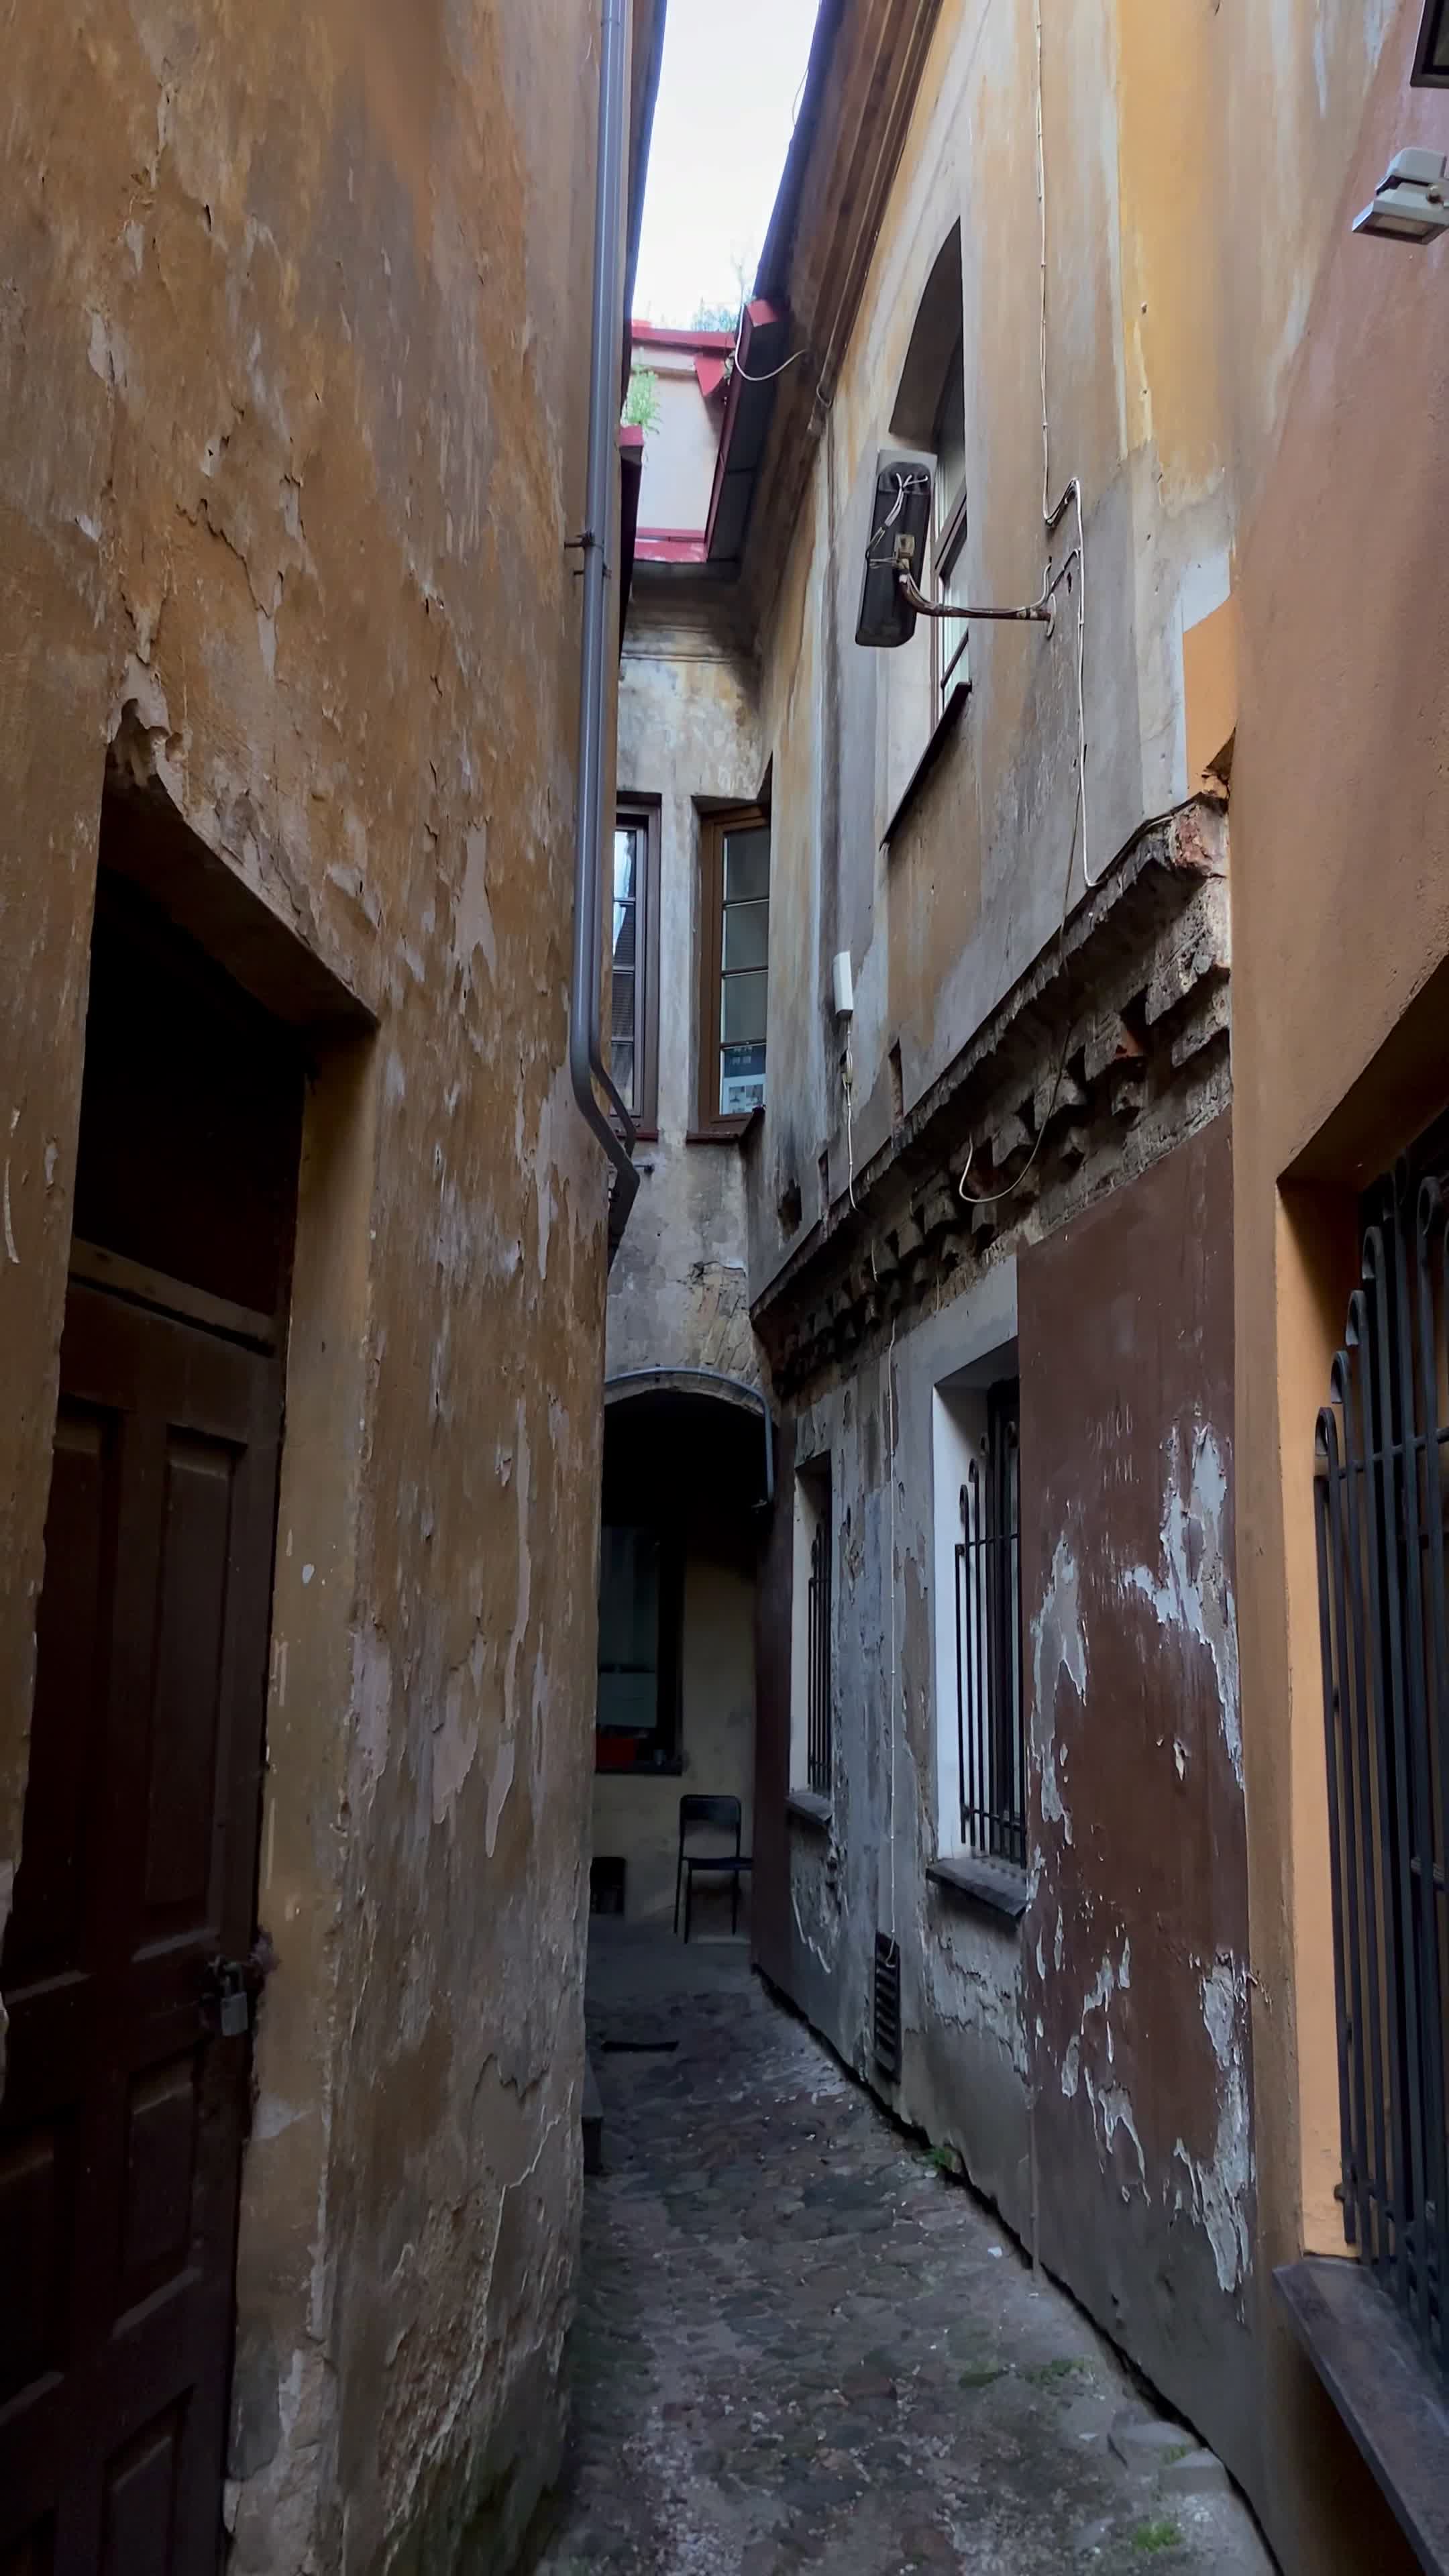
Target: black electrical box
x: 900, y: 527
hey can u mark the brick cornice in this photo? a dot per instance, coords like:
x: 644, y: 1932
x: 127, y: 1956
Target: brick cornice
x: 1132, y: 1004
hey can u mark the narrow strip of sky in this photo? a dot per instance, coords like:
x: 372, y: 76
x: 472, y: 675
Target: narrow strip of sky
x: 732, y: 78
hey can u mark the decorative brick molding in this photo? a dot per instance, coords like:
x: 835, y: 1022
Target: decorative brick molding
x: 1137, y: 993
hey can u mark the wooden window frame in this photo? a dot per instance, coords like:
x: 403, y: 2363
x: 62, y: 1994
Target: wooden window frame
x: 948, y: 657
x: 710, y: 1126
x: 643, y: 812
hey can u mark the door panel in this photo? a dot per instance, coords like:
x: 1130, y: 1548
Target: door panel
x: 122, y: 2124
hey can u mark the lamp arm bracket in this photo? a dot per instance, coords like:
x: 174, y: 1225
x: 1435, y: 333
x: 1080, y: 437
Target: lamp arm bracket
x: 1042, y: 612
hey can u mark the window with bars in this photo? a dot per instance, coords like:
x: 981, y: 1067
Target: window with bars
x: 990, y: 1702
x: 812, y: 1693
x: 1382, y: 1508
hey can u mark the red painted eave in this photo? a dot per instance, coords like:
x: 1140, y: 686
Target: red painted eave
x: 652, y: 335
x: 671, y: 546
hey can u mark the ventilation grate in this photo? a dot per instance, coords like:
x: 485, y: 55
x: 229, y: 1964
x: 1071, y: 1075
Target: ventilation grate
x: 888, y: 2006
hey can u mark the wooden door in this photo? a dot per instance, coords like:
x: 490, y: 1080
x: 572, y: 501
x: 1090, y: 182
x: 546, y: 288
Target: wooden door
x: 125, y: 2105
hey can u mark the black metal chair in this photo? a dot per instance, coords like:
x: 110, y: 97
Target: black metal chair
x: 712, y: 1815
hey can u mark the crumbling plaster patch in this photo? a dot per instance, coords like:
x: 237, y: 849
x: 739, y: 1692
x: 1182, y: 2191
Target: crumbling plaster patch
x: 1194, y: 1591
x: 1220, y: 2185
x: 1058, y: 1645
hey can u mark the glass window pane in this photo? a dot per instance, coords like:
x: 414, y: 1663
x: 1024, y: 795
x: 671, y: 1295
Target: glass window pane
x: 623, y: 999
x: 741, y: 1080
x: 742, y: 1013
x: 626, y: 857
x: 747, y: 865
x: 626, y: 926
x: 746, y: 935
x: 622, y: 1069
x: 629, y: 1631
x: 951, y: 439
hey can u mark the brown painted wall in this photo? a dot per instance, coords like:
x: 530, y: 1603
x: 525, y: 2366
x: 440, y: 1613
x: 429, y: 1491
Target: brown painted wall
x: 1341, y: 1052
x: 293, y: 341
x: 1136, y: 1941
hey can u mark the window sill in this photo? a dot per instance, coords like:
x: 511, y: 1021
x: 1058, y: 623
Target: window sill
x: 725, y: 1131
x: 1369, y: 2360
x: 670, y: 1769
x: 807, y: 1809
x: 992, y: 1884
x: 943, y: 734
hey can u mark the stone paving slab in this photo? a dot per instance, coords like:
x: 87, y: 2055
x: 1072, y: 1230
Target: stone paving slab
x: 800, y: 2345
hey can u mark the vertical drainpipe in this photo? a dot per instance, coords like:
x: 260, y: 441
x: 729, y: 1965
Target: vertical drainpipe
x: 586, y: 1065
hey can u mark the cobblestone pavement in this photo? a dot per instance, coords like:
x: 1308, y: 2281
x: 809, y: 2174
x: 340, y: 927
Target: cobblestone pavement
x: 800, y: 2345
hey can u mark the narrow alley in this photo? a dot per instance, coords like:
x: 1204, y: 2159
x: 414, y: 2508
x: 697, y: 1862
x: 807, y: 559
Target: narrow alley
x: 801, y: 2344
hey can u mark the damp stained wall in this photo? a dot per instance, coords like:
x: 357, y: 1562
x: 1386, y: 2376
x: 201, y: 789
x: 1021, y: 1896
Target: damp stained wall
x: 294, y: 324
x: 1228, y: 375
x: 1194, y: 165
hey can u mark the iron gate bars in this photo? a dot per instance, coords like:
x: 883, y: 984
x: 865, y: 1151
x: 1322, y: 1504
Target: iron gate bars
x: 818, y: 1744
x: 989, y: 1720
x: 1380, y: 1489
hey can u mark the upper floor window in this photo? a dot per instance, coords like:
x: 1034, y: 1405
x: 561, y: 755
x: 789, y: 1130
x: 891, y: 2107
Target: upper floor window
x: 734, y: 967
x: 634, y: 1024
x: 930, y: 414
x: 948, y: 529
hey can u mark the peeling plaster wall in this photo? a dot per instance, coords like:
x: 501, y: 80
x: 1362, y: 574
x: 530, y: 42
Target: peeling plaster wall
x: 1112, y: 2021
x: 291, y: 321
x: 824, y: 1891
x: 970, y: 890
x: 1194, y: 161
x: 1251, y: 399
x: 1135, y: 1942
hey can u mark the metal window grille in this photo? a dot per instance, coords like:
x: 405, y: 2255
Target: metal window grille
x: 1381, y: 1487
x: 818, y: 1729
x: 989, y: 1702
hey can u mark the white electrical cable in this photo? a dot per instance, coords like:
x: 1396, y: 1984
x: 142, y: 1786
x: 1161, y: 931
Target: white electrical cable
x: 891, y: 1720
x: 849, y: 1080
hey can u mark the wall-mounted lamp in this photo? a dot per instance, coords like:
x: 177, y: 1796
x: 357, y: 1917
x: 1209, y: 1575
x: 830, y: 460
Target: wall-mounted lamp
x: 1431, y: 63
x: 1410, y: 204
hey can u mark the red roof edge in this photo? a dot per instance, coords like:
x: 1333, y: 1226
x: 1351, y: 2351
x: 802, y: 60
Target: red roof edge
x: 671, y: 546
x: 654, y: 335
